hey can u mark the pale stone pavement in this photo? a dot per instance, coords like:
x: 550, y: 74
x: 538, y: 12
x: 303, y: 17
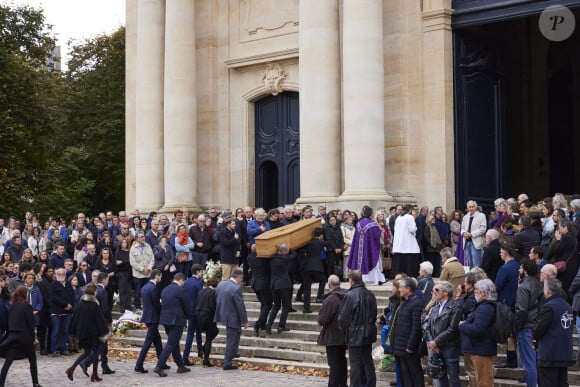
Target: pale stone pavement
x: 51, y: 374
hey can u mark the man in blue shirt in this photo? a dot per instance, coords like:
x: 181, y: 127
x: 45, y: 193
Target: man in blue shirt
x: 506, y: 284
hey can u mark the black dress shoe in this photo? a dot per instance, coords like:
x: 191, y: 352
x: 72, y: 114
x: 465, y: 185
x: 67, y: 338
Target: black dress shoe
x: 188, y: 363
x: 283, y: 329
x: 159, y: 372
x: 183, y: 369
x: 506, y: 364
x: 208, y: 364
x: 108, y: 371
x: 268, y: 330
x: 257, y: 330
x: 165, y: 367
x: 292, y: 310
x: 230, y: 368
x: 306, y: 311
x: 237, y: 355
x: 141, y: 370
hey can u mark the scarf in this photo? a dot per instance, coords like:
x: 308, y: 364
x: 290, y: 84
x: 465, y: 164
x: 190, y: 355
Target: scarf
x: 182, y: 238
x: 89, y: 298
x: 435, y: 239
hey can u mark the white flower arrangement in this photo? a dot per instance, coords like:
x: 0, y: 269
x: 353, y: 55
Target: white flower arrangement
x: 212, y: 270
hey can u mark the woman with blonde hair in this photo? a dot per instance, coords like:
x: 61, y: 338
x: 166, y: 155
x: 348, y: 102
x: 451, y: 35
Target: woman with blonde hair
x: 347, y: 229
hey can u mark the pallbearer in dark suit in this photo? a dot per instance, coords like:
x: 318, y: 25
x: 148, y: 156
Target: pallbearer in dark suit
x: 281, y: 286
x: 174, y: 315
x: 261, y: 285
x: 205, y: 311
x: 231, y: 312
x: 150, y: 297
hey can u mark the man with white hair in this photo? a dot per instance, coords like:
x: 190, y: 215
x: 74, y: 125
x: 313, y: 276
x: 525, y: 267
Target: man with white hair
x: 425, y: 280
x: 257, y: 226
x: 522, y: 198
x: 473, y: 229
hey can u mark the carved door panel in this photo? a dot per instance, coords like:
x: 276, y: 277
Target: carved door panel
x: 277, y: 150
x: 479, y: 119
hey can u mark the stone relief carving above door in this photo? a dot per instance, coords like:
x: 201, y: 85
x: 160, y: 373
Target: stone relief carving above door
x: 273, y: 77
x: 261, y: 19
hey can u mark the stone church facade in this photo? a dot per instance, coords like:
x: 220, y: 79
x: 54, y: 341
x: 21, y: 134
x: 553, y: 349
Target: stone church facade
x: 271, y: 102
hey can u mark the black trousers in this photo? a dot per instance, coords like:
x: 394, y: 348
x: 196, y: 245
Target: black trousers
x: 361, y: 363
x: 553, y: 376
x: 336, y: 357
x: 211, y: 331
x: 411, y: 370
x: 282, y: 297
x: 265, y: 298
x: 20, y: 347
x: 308, y: 277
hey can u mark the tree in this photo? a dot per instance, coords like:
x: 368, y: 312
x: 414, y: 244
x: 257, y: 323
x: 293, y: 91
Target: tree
x: 61, y: 135
x: 95, y: 107
x: 24, y: 119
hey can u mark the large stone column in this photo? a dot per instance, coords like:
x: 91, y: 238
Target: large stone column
x: 320, y: 168
x: 363, y: 101
x: 438, y: 103
x: 180, y: 112
x: 149, y: 185
x: 130, y: 102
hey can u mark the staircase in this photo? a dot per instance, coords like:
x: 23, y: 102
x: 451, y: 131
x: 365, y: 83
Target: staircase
x: 298, y: 349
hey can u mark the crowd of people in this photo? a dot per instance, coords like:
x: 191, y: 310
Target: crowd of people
x: 145, y: 259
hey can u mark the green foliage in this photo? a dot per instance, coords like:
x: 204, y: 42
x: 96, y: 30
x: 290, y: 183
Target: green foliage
x: 61, y: 135
x: 96, y: 114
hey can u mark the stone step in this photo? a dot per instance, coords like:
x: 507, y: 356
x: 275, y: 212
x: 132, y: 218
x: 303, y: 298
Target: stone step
x: 294, y: 340
x: 251, y: 351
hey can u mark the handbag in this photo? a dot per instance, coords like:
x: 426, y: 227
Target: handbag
x: 560, y: 266
x: 436, y: 366
x: 182, y: 257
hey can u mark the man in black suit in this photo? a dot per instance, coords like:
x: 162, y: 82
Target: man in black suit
x: 313, y: 270
x: 491, y: 259
x: 526, y: 238
x: 174, y: 316
x: 150, y: 297
x: 261, y: 285
x: 281, y: 286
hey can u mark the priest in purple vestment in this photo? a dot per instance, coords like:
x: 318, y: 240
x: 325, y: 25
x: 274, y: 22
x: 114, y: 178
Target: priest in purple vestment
x: 365, y: 252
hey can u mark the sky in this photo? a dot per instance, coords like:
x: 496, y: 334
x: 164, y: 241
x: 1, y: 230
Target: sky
x: 79, y: 19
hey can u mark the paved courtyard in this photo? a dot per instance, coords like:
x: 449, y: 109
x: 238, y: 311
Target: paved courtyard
x: 51, y: 374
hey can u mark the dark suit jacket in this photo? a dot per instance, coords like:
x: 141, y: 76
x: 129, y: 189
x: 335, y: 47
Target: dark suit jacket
x: 524, y: 241
x: 313, y: 261
x: 491, y: 260
x: 82, y: 281
x: 151, y: 300
x: 280, y: 278
x: 192, y: 288
x: 260, y: 272
x: 230, y: 308
x: 174, y: 309
x: 103, y: 298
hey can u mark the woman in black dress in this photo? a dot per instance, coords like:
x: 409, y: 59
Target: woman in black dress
x: 88, y: 325
x: 204, y: 312
x: 20, y: 340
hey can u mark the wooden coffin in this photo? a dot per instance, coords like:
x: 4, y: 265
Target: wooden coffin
x: 295, y: 235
